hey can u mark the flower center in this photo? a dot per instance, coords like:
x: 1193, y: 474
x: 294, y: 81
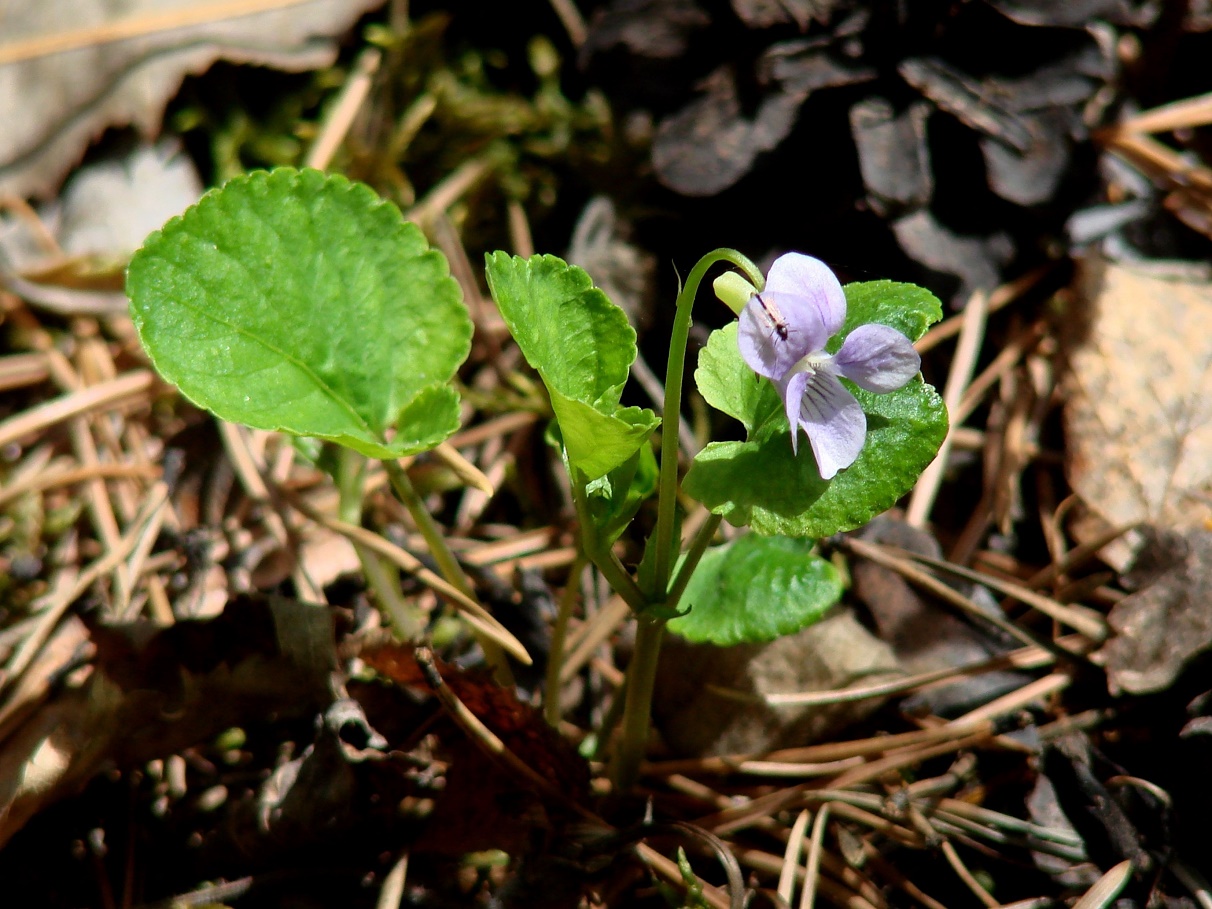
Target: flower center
x: 811, y: 363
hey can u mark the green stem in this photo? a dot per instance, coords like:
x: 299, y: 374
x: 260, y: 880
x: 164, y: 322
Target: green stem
x: 602, y: 556
x: 448, y: 565
x: 641, y: 680
x: 694, y: 553
x: 559, y: 636
x: 610, y: 722
x: 674, y: 372
x: 641, y: 674
x: 407, y: 619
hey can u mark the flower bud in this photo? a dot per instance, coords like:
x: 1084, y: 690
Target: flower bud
x: 732, y: 288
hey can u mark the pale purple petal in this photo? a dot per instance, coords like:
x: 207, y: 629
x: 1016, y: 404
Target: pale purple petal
x: 762, y: 346
x: 808, y: 282
x: 878, y: 358
x: 792, y: 392
x: 834, y: 421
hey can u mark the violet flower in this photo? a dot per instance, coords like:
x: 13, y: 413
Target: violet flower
x: 782, y: 336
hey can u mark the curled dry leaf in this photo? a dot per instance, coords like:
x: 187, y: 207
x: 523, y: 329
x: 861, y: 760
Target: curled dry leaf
x: 62, y: 83
x: 1138, y: 414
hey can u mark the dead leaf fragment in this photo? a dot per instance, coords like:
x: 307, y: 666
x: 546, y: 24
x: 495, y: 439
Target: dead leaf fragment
x: 710, y: 144
x: 152, y: 690
x: 1138, y: 414
x: 54, y: 102
x: 708, y: 699
x: 976, y: 261
x: 1168, y: 621
x: 656, y: 29
x: 893, y: 155
x: 765, y: 13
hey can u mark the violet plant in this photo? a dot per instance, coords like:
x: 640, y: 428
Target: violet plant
x: 299, y: 302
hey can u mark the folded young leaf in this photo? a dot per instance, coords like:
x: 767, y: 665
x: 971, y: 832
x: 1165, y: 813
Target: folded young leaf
x: 583, y: 347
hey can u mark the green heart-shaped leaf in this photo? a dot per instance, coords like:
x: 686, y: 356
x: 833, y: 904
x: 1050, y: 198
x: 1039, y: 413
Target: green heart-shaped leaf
x: 756, y: 589
x: 760, y: 483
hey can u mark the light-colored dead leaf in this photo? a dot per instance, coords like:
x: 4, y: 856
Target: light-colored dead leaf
x: 697, y: 717
x: 1138, y: 416
x: 72, y: 68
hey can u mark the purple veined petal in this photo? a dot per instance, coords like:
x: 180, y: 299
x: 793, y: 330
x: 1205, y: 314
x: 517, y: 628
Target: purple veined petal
x: 792, y: 392
x: 808, y: 293
x: 878, y: 358
x: 834, y: 421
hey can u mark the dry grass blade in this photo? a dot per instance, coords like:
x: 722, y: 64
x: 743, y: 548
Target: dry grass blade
x: 485, y: 739
x: 55, y: 604
x: 74, y: 404
x: 998, y: 299
x: 791, y: 856
x: 737, y: 818
x: 671, y: 873
x: 1189, y: 185
x: 249, y: 468
x: 70, y: 476
x: 812, y: 868
x: 473, y: 613
x: 391, y: 894
x: 1193, y: 881
x: 134, y: 27
x: 1185, y: 114
x: 466, y: 471
x: 1024, y: 658
x: 22, y: 370
x: 854, y: 894
x: 590, y: 636
x: 890, y: 557
x: 1084, y: 621
x: 969, y: 879
x: 963, y: 364
x: 1107, y: 888
x: 341, y: 115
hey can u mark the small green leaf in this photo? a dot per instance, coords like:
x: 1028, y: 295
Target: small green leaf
x: 582, y: 346
x: 302, y: 302
x: 756, y: 589
x: 761, y: 484
x: 728, y: 384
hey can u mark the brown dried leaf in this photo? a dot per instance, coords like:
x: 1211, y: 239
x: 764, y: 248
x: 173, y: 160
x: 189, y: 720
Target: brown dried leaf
x: 710, y: 144
x: 1138, y: 416
x: 151, y: 691
x: 53, y: 101
x: 765, y: 13
x: 1168, y: 622
x: 520, y: 726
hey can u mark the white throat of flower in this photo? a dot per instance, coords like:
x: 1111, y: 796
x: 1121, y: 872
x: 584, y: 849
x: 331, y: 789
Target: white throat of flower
x: 817, y: 361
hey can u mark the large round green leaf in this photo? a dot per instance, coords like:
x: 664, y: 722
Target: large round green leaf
x: 301, y: 302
